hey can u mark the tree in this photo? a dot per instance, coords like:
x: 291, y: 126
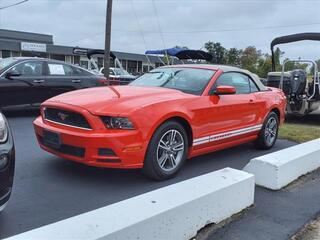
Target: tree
x: 277, y: 55
x: 233, y: 56
x: 294, y: 65
x: 249, y: 58
x: 217, y: 51
x: 264, y: 66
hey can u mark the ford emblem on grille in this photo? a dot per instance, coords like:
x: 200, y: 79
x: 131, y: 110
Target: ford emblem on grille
x: 63, y: 116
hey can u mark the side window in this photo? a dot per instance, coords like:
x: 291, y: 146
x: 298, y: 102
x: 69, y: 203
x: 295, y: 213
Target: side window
x: 253, y: 86
x: 79, y: 71
x: 68, y: 70
x: 60, y: 69
x: 56, y: 69
x: 29, y: 69
x: 237, y: 80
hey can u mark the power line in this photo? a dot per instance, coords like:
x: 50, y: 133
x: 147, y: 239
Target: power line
x: 15, y: 4
x: 140, y: 29
x: 158, y: 22
x: 201, y: 31
x: 223, y: 30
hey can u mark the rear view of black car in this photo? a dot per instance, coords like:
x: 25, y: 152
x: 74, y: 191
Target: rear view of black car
x: 25, y: 81
x: 7, y: 162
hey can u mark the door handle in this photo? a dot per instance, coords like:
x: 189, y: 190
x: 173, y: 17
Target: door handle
x: 38, y: 81
x: 251, y: 101
x: 76, y: 81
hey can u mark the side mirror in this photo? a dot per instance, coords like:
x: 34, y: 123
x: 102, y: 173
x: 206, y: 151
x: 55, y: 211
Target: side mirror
x: 11, y: 74
x: 225, y: 90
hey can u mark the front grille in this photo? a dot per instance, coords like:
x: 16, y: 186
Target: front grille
x: 64, y: 117
x: 65, y: 149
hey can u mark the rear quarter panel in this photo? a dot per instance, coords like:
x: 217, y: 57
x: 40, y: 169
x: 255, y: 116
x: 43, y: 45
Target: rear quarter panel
x: 273, y: 99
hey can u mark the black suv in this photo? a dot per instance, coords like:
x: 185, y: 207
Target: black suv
x: 7, y: 161
x: 34, y: 80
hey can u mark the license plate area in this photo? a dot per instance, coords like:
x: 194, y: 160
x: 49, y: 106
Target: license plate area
x: 51, y: 139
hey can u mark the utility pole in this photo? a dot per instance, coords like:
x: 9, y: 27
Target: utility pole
x: 107, y: 40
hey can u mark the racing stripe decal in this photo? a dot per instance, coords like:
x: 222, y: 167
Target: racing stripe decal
x: 224, y: 135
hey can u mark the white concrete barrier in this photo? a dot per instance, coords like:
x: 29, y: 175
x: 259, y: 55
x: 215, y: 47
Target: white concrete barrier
x: 173, y: 212
x: 278, y: 169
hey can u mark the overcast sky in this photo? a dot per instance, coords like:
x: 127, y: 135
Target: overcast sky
x: 137, y: 24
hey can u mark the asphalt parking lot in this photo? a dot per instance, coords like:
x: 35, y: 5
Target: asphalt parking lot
x: 48, y: 189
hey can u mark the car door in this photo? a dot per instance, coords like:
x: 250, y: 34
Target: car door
x: 260, y: 101
x: 61, y: 78
x: 27, y: 88
x: 232, y: 115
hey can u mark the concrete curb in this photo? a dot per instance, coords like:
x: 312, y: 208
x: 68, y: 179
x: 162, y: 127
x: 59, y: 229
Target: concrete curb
x: 174, y: 212
x: 276, y: 170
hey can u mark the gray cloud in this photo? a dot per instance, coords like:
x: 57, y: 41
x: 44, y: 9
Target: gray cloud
x: 183, y: 22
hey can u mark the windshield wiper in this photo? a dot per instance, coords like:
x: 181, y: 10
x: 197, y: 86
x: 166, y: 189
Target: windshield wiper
x: 171, y: 77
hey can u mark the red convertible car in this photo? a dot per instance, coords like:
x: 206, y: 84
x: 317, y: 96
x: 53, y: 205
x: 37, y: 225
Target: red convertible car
x: 162, y: 118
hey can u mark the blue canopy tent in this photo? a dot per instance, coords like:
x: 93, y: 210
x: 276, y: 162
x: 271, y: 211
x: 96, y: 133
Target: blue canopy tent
x: 182, y: 53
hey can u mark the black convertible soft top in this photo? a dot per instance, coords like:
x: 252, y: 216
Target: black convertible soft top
x: 292, y: 38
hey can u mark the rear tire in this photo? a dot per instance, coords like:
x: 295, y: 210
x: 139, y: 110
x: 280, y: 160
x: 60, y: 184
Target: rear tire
x: 167, y: 151
x: 269, y: 132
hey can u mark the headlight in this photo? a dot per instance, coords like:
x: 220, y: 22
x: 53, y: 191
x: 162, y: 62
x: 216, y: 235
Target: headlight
x: 3, y: 129
x: 117, y: 123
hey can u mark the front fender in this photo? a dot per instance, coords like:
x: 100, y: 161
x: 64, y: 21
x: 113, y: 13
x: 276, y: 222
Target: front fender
x: 150, y: 118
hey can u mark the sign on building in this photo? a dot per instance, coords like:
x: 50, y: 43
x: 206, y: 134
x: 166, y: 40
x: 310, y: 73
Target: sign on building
x: 33, y: 47
x: 80, y: 51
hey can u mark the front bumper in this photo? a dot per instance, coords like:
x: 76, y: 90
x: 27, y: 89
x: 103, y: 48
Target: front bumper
x: 92, y: 147
x: 6, y: 174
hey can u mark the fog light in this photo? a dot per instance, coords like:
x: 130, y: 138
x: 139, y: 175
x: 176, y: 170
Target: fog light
x: 3, y: 161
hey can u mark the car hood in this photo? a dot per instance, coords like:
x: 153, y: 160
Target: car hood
x: 118, y: 99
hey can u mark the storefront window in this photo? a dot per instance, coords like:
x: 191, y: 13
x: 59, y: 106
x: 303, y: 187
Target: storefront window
x: 84, y: 64
x: 139, y: 67
x: 6, y: 54
x: 76, y: 60
x: 34, y: 54
x: 15, y: 54
x: 132, y: 66
x: 58, y: 57
x: 69, y: 59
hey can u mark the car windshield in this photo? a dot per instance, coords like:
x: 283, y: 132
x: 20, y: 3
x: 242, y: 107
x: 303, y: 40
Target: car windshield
x: 5, y: 62
x: 188, y: 80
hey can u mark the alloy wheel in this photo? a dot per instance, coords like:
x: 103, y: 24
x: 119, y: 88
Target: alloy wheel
x: 170, y: 150
x: 271, y: 131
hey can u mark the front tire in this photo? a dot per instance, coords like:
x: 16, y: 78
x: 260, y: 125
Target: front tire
x: 269, y: 132
x: 167, y: 151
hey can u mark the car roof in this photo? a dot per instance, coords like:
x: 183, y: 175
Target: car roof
x: 42, y: 59
x: 26, y: 58
x: 224, y: 68
x: 19, y: 59
x: 215, y: 67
